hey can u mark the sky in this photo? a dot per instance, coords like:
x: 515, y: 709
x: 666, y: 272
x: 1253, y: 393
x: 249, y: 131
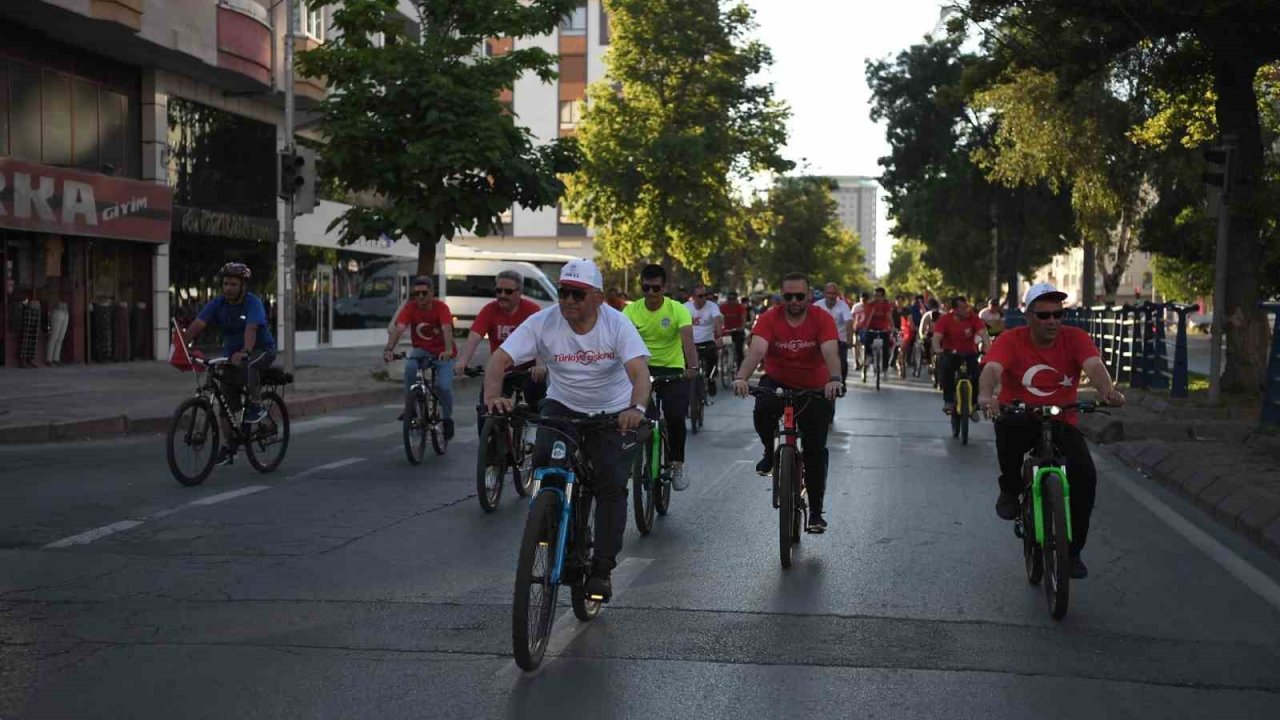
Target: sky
x: 820, y: 48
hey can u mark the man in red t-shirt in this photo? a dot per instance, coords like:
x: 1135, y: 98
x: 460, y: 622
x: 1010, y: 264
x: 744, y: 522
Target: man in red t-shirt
x: 1041, y: 364
x: 497, y: 320
x: 735, y: 324
x: 431, y: 330
x: 877, y: 321
x: 799, y: 347
x: 955, y: 340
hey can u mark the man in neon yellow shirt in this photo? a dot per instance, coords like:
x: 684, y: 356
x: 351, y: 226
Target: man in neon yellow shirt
x: 667, y: 330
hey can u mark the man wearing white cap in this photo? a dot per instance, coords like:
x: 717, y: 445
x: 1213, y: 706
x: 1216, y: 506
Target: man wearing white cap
x: 1041, y: 364
x: 596, y: 364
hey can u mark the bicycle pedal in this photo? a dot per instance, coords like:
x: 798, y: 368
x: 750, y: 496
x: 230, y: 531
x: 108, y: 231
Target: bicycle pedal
x: 1017, y: 529
x: 598, y: 598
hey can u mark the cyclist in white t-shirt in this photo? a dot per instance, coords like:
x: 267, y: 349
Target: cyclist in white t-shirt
x: 708, y: 327
x: 596, y: 363
x: 839, y: 310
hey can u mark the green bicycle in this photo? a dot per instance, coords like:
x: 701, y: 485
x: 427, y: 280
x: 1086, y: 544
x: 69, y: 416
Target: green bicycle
x: 651, y: 474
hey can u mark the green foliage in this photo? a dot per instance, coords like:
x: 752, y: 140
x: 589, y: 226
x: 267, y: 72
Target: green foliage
x: 679, y: 120
x: 800, y: 231
x: 1181, y: 280
x: 911, y: 274
x: 418, y: 121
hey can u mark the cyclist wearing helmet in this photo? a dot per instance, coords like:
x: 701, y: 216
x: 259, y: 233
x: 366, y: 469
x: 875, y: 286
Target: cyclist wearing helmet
x: 246, y: 334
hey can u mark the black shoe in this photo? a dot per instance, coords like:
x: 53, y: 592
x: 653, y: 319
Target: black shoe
x: 1079, y: 570
x: 1007, y: 506
x: 817, y: 524
x: 448, y: 429
x: 765, y: 466
x: 225, y: 457
x: 599, y: 586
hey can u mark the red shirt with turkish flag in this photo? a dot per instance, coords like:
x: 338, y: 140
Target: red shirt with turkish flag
x: 794, y: 357
x: 424, y: 324
x: 960, y: 334
x: 498, y: 324
x: 1041, y: 376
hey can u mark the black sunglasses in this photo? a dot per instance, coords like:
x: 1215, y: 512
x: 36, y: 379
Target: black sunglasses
x: 421, y: 293
x: 578, y: 294
x: 700, y: 295
x: 651, y: 288
x: 793, y: 297
x: 505, y: 291
x: 1055, y: 314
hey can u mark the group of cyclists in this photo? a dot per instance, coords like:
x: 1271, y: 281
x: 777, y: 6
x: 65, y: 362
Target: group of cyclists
x: 585, y: 357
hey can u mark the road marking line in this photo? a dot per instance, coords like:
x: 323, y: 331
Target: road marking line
x: 714, y: 485
x: 327, y: 466
x: 371, y: 433
x: 223, y: 497
x: 320, y: 423
x: 1240, y: 568
x: 89, y: 536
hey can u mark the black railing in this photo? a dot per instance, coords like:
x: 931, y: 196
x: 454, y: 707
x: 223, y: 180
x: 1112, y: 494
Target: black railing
x: 1271, y: 387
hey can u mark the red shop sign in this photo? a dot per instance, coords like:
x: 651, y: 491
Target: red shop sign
x: 69, y: 202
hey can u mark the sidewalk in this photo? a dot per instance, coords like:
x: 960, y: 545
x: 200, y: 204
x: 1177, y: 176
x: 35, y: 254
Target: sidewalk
x: 81, y: 402
x: 1219, y: 458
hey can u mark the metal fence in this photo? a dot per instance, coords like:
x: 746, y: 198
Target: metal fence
x: 1271, y: 388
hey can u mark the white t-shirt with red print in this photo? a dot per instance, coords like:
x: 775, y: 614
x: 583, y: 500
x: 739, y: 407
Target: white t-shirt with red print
x: 587, y: 373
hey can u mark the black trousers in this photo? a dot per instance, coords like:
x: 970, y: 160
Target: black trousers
x: 1015, y: 437
x: 813, y: 419
x: 844, y: 361
x: 949, y: 367
x: 675, y: 409
x: 533, y: 394
x: 248, y: 374
x: 708, y: 359
x: 738, y: 337
x: 611, y: 465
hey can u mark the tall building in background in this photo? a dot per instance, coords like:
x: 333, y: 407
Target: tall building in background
x: 856, y: 197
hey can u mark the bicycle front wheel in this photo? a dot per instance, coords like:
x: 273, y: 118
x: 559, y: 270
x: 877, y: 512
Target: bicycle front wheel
x: 415, y: 427
x: 662, y: 487
x: 785, y: 475
x: 534, y: 599
x: 699, y: 403
x: 491, y: 464
x: 642, y: 491
x: 522, y: 457
x: 192, y: 444
x: 1057, y: 549
x: 269, y: 439
x: 439, y: 442
x: 726, y: 368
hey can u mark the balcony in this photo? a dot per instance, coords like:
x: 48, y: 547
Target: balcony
x: 244, y: 39
x: 124, y: 12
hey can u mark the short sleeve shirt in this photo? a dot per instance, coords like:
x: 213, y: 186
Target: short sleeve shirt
x: 879, y: 315
x: 1041, y: 376
x: 704, y: 321
x: 660, y: 330
x: 735, y: 315
x: 426, y: 325
x: 498, y: 325
x: 587, y: 372
x: 794, y: 357
x: 959, y: 335
x: 233, y: 319
x: 841, y: 314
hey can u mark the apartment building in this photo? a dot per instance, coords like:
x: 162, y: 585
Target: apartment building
x: 1066, y: 271
x: 856, y: 198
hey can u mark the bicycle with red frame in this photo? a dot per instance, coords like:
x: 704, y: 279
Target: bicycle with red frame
x: 789, y: 497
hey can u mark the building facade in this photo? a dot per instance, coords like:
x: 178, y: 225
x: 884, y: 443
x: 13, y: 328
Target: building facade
x: 1066, y: 272
x: 856, y: 198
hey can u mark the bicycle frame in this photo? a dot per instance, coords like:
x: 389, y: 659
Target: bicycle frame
x: 566, y: 511
x: 1037, y: 479
x: 964, y: 388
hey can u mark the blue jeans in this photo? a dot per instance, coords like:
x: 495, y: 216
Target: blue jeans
x: 419, y: 358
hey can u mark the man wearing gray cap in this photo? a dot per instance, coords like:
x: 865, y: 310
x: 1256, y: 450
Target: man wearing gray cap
x: 1041, y: 364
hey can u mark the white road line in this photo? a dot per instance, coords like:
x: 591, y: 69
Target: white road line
x: 223, y: 497
x: 737, y: 466
x: 1240, y: 568
x: 326, y: 421
x: 327, y: 466
x: 89, y: 536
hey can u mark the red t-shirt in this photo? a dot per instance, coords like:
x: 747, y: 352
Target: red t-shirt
x: 794, y: 357
x: 878, y: 315
x: 424, y: 324
x: 1041, y: 376
x: 960, y: 335
x: 735, y: 315
x: 497, y: 324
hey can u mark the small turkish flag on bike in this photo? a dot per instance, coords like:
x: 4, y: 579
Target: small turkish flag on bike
x: 179, y: 356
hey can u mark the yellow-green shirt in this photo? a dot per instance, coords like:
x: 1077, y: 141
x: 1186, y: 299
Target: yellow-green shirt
x: 660, y: 330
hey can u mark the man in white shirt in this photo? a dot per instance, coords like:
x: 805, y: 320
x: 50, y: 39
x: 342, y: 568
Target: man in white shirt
x: 596, y: 363
x: 839, y: 310
x: 708, y: 323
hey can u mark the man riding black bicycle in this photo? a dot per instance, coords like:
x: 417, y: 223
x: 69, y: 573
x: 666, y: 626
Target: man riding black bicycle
x: 877, y: 322
x: 430, y: 323
x: 1041, y: 364
x: 708, y: 325
x: 597, y: 364
x: 246, y: 338
x: 956, y: 337
x: 497, y: 320
x: 736, y: 316
x: 799, y: 347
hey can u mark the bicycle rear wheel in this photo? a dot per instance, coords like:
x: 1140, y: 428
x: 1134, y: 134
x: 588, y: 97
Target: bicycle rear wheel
x: 1057, y: 549
x: 785, y: 470
x: 534, y: 596
x: 439, y: 442
x: 726, y: 367
x: 491, y: 464
x: 584, y: 608
x: 642, y: 490
x: 699, y: 403
x: 879, y: 362
x: 269, y: 440
x: 193, y: 441
x: 1032, y: 559
x: 415, y: 427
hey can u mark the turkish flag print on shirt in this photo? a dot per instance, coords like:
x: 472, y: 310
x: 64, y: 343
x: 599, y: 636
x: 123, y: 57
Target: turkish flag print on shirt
x: 794, y: 357
x: 425, y: 324
x: 1041, y: 376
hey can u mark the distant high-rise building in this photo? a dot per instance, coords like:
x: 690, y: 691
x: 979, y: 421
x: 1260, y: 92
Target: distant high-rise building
x: 856, y: 198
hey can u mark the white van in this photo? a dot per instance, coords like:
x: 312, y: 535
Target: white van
x: 471, y: 284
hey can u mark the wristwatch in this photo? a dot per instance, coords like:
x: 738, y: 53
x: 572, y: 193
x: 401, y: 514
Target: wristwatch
x: 639, y: 408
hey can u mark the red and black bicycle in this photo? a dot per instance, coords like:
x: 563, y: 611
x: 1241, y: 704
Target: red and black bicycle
x: 789, y: 497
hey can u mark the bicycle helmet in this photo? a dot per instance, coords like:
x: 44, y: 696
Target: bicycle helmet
x: 235, y: 269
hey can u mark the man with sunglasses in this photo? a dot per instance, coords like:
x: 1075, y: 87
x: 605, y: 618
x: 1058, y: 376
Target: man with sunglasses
x: 596, y: 363
x: 842, y: 314
x: 798, y: 345
x: 708, y: 326
x: 955, y: 338
x: 667, y: 330
x: 877, y: 321
x: 735, y: 323
x: 498, y: 320
x: 1041, y: 364
x: 431, y: 331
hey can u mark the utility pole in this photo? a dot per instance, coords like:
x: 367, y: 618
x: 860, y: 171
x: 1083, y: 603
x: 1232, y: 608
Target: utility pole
x: 288, y: 251
x: 1220, y: 156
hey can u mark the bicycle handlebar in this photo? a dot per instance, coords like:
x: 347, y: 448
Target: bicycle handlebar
x: 784, y: 393
x: 1051, y: 411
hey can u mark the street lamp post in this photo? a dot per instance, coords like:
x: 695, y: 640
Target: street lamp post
x: 288, y: 251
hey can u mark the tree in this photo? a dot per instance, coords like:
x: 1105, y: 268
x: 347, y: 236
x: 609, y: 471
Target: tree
x: 909, y: 274
x: 1232, y: 40
x: 679, y: 120
x: 800, y: 231
x: 418, y: 121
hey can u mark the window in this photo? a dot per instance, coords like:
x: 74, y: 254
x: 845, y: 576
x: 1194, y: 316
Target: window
x: 567, y: 218
x: 471, y: 285
x: 570, y: 114
x: 378, y: 39
x: 311, y: 21
x: 376, y: 287
x: 534, y: 289
x: 575, y: 23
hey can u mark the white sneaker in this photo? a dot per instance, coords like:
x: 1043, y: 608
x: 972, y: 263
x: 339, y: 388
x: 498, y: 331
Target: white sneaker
x: 678, y: 479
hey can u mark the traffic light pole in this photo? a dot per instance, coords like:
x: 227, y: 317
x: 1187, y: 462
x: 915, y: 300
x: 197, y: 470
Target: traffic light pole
x: 1220, y: 277
x: 288, y: 251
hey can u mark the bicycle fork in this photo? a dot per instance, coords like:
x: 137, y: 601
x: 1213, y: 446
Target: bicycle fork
x: 1037, y: 498
x: 566, y: 515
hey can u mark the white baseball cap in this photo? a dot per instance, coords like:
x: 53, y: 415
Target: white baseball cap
x: 581, y: 273
x: 1042, y: 291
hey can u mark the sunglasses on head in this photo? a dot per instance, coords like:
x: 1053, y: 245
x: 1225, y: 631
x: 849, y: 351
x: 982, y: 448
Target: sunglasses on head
x: 1046, y: 314
x: 505, y: 291
x: 794, y: 297
x: 578, y: 294
x: 651, y: 288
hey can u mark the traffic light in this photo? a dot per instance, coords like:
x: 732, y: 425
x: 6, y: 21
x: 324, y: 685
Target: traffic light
x: 298, y: 179
x: 291, y: 179
x: 1218, y: 174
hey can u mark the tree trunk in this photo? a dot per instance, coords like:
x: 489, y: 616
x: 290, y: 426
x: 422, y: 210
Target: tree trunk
x: 1247, y: 334
x: 427, y: 260
x: 1121, y: 250
x: 1088, y: 275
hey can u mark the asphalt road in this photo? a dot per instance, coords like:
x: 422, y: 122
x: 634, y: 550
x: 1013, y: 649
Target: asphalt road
x: 351, y: 585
